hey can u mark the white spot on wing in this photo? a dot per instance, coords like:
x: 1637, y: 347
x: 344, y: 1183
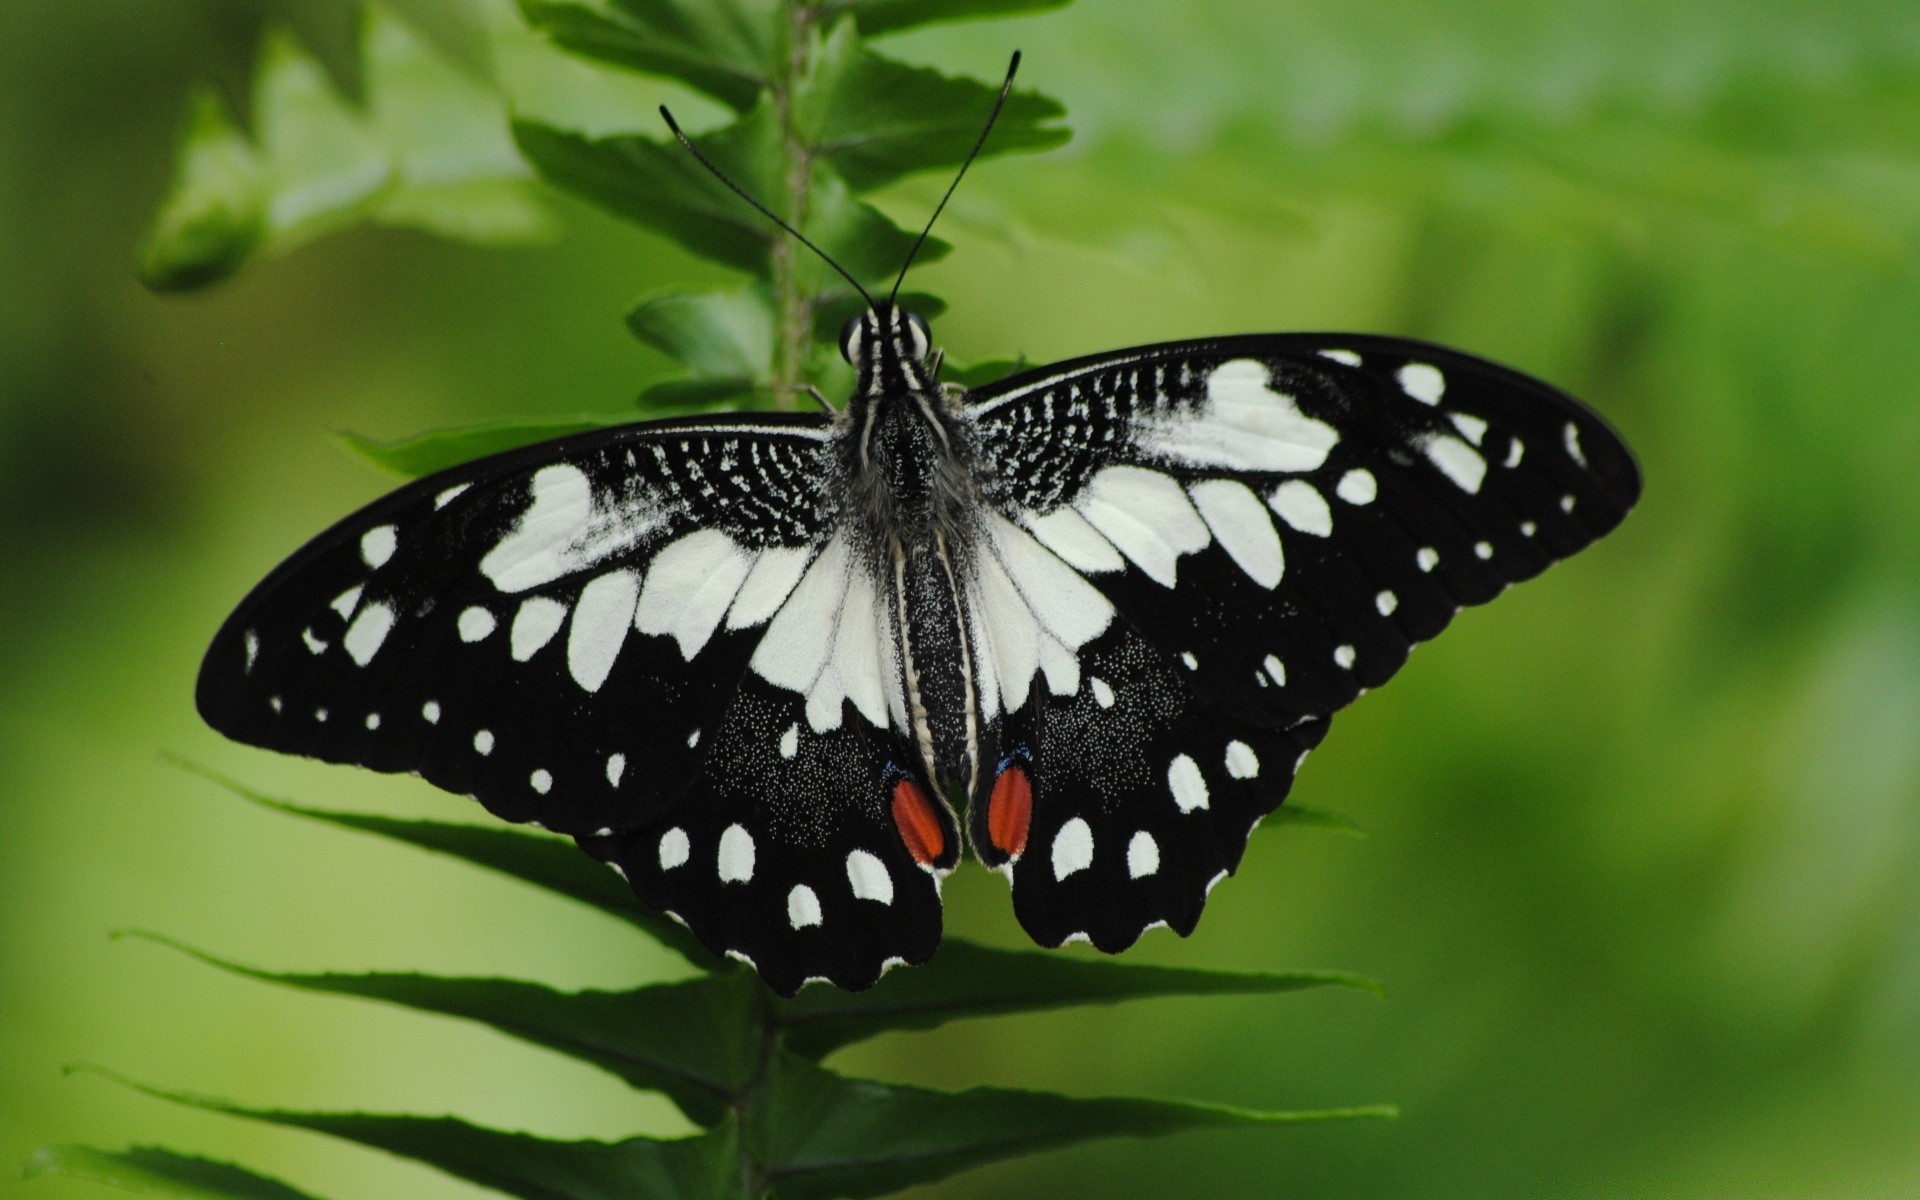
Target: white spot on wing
x: 803, y: 907
x: 1427, y: 557
x: 378, y: 544
x: 736, y: 855
x: 868, y: 877
x: 1302, y: 506
x: 1146, y: 515
x: 1483, y: 550
x: 1276, y: 669
x: 475, y: 623
x: 483, y: 742
x: 1072, y: 848
x: 1345, y: 357
x: 1528, y: 528
x: 1067, y: 534
x: 1386, y: 602
x: 768, y: 584
x: 790, y: 741
x: 368, y: 631
x: 1357, y: 486
x: 542, y: 781
x: 616, y: 767
x: 601, y: 618
x: 314, y: 644
x: 675, y: 848
x: 1572, y: 435
x: 252, y: 644
x: 690, y: 586
x: 1514, y: 451
x: 430, y: 712
x: 563, y: 531
x: 1143, y: 855
x: 347, y: 601
x: 534, y: 625
x: 1188, y: 786
x: 1423, y: 382
x: 1242, y: 762
x: 1344, y: 655
x: 1192, y: 663
x: 1240, y: 523
x: 1457, y: 461
x: 800, y: 637
x: 1242, y: 425
x: 1102, y: 694
x: 447, y: 497
x: 1471, y: 427
x: 1566, y: 503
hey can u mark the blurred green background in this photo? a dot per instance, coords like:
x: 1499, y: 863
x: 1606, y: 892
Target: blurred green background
x: 1644, y: 874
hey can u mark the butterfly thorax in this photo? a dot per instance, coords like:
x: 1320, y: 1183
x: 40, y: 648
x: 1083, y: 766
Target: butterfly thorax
x: 909, y: 471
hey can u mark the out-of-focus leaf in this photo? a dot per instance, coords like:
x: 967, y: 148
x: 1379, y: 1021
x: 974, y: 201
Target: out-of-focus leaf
x: 967, y: 980
x: 982, y: 373
x: 697, y: 1041
x: 158, y: 1171
x: 725, y: 48
x: 429, y: 149
x: 457, y: 28
x: 706, y: 395
x: 704, y: 1167
x: 821, y: 1135
x: 659, y: 185
x: 876, y: 119
x: 215, y: 216
x: 725, y: 334
x: 887, y: 16
x: 425, y: 453
x: 832, y: 311
x: 541, y: 860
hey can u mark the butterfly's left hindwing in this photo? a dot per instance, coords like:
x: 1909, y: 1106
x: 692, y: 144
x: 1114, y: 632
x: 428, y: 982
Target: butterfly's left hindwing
x: 618, y: 635
x: 1270, y: 524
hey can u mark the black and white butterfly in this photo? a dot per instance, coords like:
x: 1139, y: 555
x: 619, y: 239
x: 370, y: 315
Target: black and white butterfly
x: 770, y: 667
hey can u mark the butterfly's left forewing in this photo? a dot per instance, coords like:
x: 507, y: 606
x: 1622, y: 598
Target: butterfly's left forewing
x: 1260, y: 529
x: 649, y: 638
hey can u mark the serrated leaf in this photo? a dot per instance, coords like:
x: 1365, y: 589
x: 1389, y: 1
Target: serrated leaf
x: 724, y: 48
x: 696, y: 1042
x: 723, y: 334
x: 428, y: 149
x: 876, y: 119
x: 158, y: 1171
x: 544, y: 861
x: 889, y: 16
x: 519, y: 1164
x: 436, y: 450
x: 659, y: 185
x: 966, y: 980
x: 818, y: 1134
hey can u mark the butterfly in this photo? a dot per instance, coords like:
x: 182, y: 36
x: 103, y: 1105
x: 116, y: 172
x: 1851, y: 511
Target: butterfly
x: 778, y: 669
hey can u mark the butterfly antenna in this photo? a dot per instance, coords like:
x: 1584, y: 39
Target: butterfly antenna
x: 764, y: 211
x: 993, y: 116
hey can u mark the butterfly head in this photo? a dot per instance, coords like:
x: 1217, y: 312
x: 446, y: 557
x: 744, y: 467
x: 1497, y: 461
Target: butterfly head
x: 889, y: 347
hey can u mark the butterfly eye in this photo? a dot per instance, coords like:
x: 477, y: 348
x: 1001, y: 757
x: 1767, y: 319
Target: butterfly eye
x: 850, y: 339
x: 917, y: 330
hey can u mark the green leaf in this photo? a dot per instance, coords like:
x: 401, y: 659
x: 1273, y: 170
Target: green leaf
x: 518, y: 1164
x: 889, y: 16
x: 1315, y: 818
x: 876, y: 119
x: 981, y: 373
x: 425, y: 453
x: 697, y: 1042
x: 552, y: 863
x: 724, y: 48
x: 706, y: 395
x: 659, y: 185
x: 967, y: 980
x: 818, y: 1134
x: 724, y: 334
x: 160, y: 1172
x: 429, y: 149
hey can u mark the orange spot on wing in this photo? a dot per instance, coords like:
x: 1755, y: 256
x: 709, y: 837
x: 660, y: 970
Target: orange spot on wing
x: 918, y: 823
x: 1010, y: 811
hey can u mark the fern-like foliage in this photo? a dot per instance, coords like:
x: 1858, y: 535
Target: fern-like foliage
x: 817, y: 119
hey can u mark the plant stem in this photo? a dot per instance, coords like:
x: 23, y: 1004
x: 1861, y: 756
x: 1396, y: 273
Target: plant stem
x: 794, y: 307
